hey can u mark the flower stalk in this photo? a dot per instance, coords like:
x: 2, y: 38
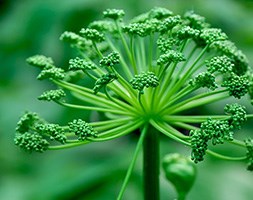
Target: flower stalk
x: 151, y: 164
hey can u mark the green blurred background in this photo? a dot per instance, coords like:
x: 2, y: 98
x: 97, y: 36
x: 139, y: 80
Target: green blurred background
x: 96, y: 171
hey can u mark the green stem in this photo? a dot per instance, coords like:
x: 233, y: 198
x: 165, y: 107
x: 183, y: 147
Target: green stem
x: 133, y: 54
x: 111, y: 121
x: 131, y: 166
x: 117, y: 132
x: 199, y: 102
x: 193, y: 118
x: 183, y: 79
x: 168, y: 133
x: 201, y: 97
x: 125, y: 67
x: 139, y: 99
x: 217, y: 155
x: 126, y: 86
x: 189, y: 57
x: 184, y: 126
x: 108, y: 124
x: 97, y: 50
x: 185, y: 91
x: 124, y: 42
x: 99, y: 109
x: 238, y: 143
x: 69, y: 145
x: 150, y: 52
x: 151, y: 165
x: 143, y: 53
x: 175, y: 132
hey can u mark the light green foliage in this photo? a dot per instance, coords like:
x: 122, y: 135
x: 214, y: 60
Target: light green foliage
x: 228, y: 48
x: 92, y: 34
x: 31, y: 142
x: 110, y: 60
x: 170, y: 56
x: 237, y: 114
x: 204, y: 79
x: 142, y: 29
x: 82, y: 129
x: 186, y: 32
x: 114, y: 14
x: 236, y: 85
x: 81, y: 64
x: 209, y: 36
x: 144, y: 80
x: 222, y: 64
x: 55, y: 132
x: 166, y: 44
x: 103, y: 26
x: 195, y: 21
x: 27, y: 120
x: 169, y: 23
x: 53, y: 72
x: 159, y: 13
x: 52, y: 95
x: 34, y: 134
x: 28, y: 139
x: 74, y: 40
x: 103, y: 81
x: 216, y: 131
x: 198, y: 144
x: 40, y: 61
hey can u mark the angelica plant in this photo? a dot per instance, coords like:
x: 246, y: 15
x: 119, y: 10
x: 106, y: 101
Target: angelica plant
x: 148, y: 74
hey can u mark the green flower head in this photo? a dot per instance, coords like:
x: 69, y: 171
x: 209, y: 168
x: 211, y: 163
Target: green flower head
x: 157, y: 70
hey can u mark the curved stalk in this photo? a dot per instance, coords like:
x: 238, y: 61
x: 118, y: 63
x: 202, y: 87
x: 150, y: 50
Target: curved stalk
x: 131, y: 166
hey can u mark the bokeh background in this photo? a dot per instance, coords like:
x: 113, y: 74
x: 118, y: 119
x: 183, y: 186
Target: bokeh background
x: 96, y: 171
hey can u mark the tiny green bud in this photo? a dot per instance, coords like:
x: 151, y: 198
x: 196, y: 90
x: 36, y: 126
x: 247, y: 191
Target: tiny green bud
x: 186, y: 32
x: 170, y: 56
x: 166, y: 44
x: 92, y: 34
x: 27, y: 121
x: 195, y: 21
x: 52, y: 95
x: 114, y: 14
x: 82, y: 129
x: 180, y: 171
x: 110, y: 60
x: 236, y: 85
x: 237, y: 114
x: 170, y: 22
x: 222, y: 64
x: 54, y: 72
x: 103, y: 26
x: 159, y: 13
x: 204, y: 79
x: 143, y: 80
x: 81, y: 64
x: 31, y: 142
x: 40, y: 61
x: 103, y: 81
x: 55, y: 132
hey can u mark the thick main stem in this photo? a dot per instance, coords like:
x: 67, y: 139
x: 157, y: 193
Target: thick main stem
x: 151, y: 164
